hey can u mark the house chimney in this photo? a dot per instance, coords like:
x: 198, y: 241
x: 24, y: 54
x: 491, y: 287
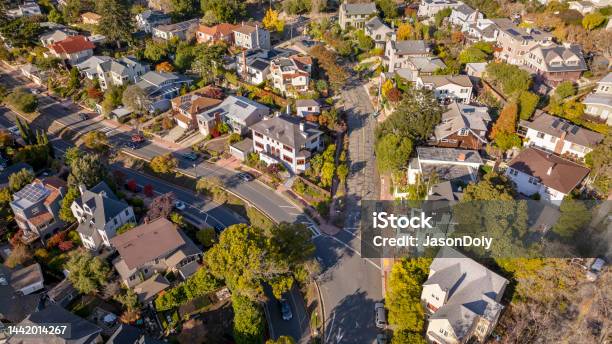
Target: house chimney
x: 244, y: 65
x: 461, y: 157
x: 550, y: 169
x: 82, y: 188
x: 257, y: 35
x: 302, y: 127
x: 288, y: 109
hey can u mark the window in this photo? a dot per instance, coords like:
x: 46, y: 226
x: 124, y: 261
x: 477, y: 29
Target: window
x: 553, y: 139
x: 540, y: 135
x: 34, y: 210
x: 288, y: 159
x: 513, y: 171
x: 127, y: 212
x: 533, y: 180
x: 464, y: 90
x: 258, y: 134
x: 463, y: 132
x: 301, y: 161
x: 259, y: 145
x: 287, y: 148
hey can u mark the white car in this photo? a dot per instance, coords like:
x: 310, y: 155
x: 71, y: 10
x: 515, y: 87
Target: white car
x: 180, y: 205
x: 14, y: 130
x: 595, y: 270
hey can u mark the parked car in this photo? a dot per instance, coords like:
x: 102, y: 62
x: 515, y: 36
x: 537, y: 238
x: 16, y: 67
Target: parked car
x: 285, y: 310
x: 245, y: 176
x: 14, y: 130
x: 190, y: 156
x: 380, y: 315
x: 83, y: 116
x: 596, y: 269
x: 179, y: 205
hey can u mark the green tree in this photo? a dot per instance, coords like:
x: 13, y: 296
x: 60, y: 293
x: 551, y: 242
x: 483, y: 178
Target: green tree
x: 37, y: 156
x: 407, y: 337
x: 599, y: 160
x: 55, y: 16
x: 388, y: 8
x: 164, y: 163
x: 209, y: 61
x: 392, y: 153
x: 415, y: 117
x: 116, y: 22
x: 272, y: 22
x: 248, y: 321
x: 72, y: 154
x: 20, y: 179
x: 593, y: 20
x: 207, y: 236
x: 224, y: 11
x: 74, y: 82
x: 185, y: 54
x: 88, y: 169
x: 440, y: 15
x: 282, y: 340
x: 574, y: 216
x: 155, y: 51
x: 136, y: 99
x: 95, y: 140
x: 565, y: 89
x: 342, y: 171
x: 87, y: 273
x: 491, y: 187
x: 511, y: 78
x: 364, y: 42
x: 128, y: 299
x: 21, y: 32
x: 528, y: 102
x: 506, y: 122
x: 404, y: 294
x: 183, y: 8
x: 22, y: 100
x: 199, y: 284
x: 65, y: 213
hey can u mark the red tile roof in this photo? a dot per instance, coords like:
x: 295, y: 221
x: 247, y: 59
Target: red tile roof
x: 222, y: 29
x: 71, y: 45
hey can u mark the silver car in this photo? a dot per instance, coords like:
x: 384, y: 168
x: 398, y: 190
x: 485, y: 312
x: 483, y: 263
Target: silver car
x: 380, y: 315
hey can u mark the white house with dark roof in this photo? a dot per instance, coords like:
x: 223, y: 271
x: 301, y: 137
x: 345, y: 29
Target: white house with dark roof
x: 535, y: 171
x: 287, y: 140
x: 599, y: 103
x: 183, y: 31
x: 100, y: 213
x: 397, y: 53
x: 149, y: 19
x: 378, y: 31
x: 356, y: 14
x: 429, y: 8
x: 447, y: 164
x: 238, y: 112
x: 559, y: 136
x: 291, y: 75
x: 556, y: 63
x: 462, y: 298
x: 463, y: 15
x: 251, y: 36
x: 447, y: 87
x: 462, y: 126
x: 480, y: 30
x: 109, y: 71
x: 161, y: 87
x: 305, y: 107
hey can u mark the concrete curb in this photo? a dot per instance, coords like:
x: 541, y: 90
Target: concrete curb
x: 322, y: 335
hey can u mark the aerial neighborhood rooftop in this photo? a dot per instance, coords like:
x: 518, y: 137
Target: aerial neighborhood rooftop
x: 203, y: 172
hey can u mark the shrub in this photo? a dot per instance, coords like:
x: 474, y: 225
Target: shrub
x: 22, y: 100
x: 207, y: 237
x: 132, y: 186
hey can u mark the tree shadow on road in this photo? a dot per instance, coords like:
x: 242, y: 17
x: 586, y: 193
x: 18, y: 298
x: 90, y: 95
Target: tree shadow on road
x: 352, y: 321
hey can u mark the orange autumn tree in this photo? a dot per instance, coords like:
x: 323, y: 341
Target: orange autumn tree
x: 164, y: 67
x: 506, y: 123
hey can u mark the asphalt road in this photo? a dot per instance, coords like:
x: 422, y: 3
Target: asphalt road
x: 349, y: 284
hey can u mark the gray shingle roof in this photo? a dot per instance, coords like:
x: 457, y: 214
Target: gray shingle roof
x: 554, y: 51
x: 362, y: 8
x: 237, y: 108
x: 26, y: 276
x: 286, y: 130
x: 411, y: 47
x: 306, y: 103
x: 450, y: 155
x: 442, y: 80
x: 464, y: 9
x: 15, y: 307
x: 556, y: 127
x: 103, y: 202
x: 598, y: 99
x: 473, y: 290
x: 81, y: 330
x: 459, y: 116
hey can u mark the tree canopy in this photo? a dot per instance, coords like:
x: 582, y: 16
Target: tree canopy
x: 164, y: 163
x: 87, y: 273
x: 404, y: 294
x: 510, y: 78
x: 116, y: 22
x: 20, y: 179
x: 88, y: 169
x: 392, y: 152
x: 136, y: 99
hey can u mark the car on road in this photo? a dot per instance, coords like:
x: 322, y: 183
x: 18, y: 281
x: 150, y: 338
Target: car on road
x: 192, y: 156
x: 218, y: 229
x: 179, y: 205
x: 380, y: 315
x: 130, y: 145
x: 245, y: 176
x: 381, y: 338
x: 14, y: 130
x: 285, y: 309
x: 83, y: 116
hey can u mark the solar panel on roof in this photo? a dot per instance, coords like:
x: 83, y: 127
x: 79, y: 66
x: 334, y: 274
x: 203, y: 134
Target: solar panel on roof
x: 242, y: 104
x: 574, y: 130
x: 513, y: 32
x: 555, y: 123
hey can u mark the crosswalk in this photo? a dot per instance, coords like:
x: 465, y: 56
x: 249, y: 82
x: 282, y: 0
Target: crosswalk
x: 311, y: 225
